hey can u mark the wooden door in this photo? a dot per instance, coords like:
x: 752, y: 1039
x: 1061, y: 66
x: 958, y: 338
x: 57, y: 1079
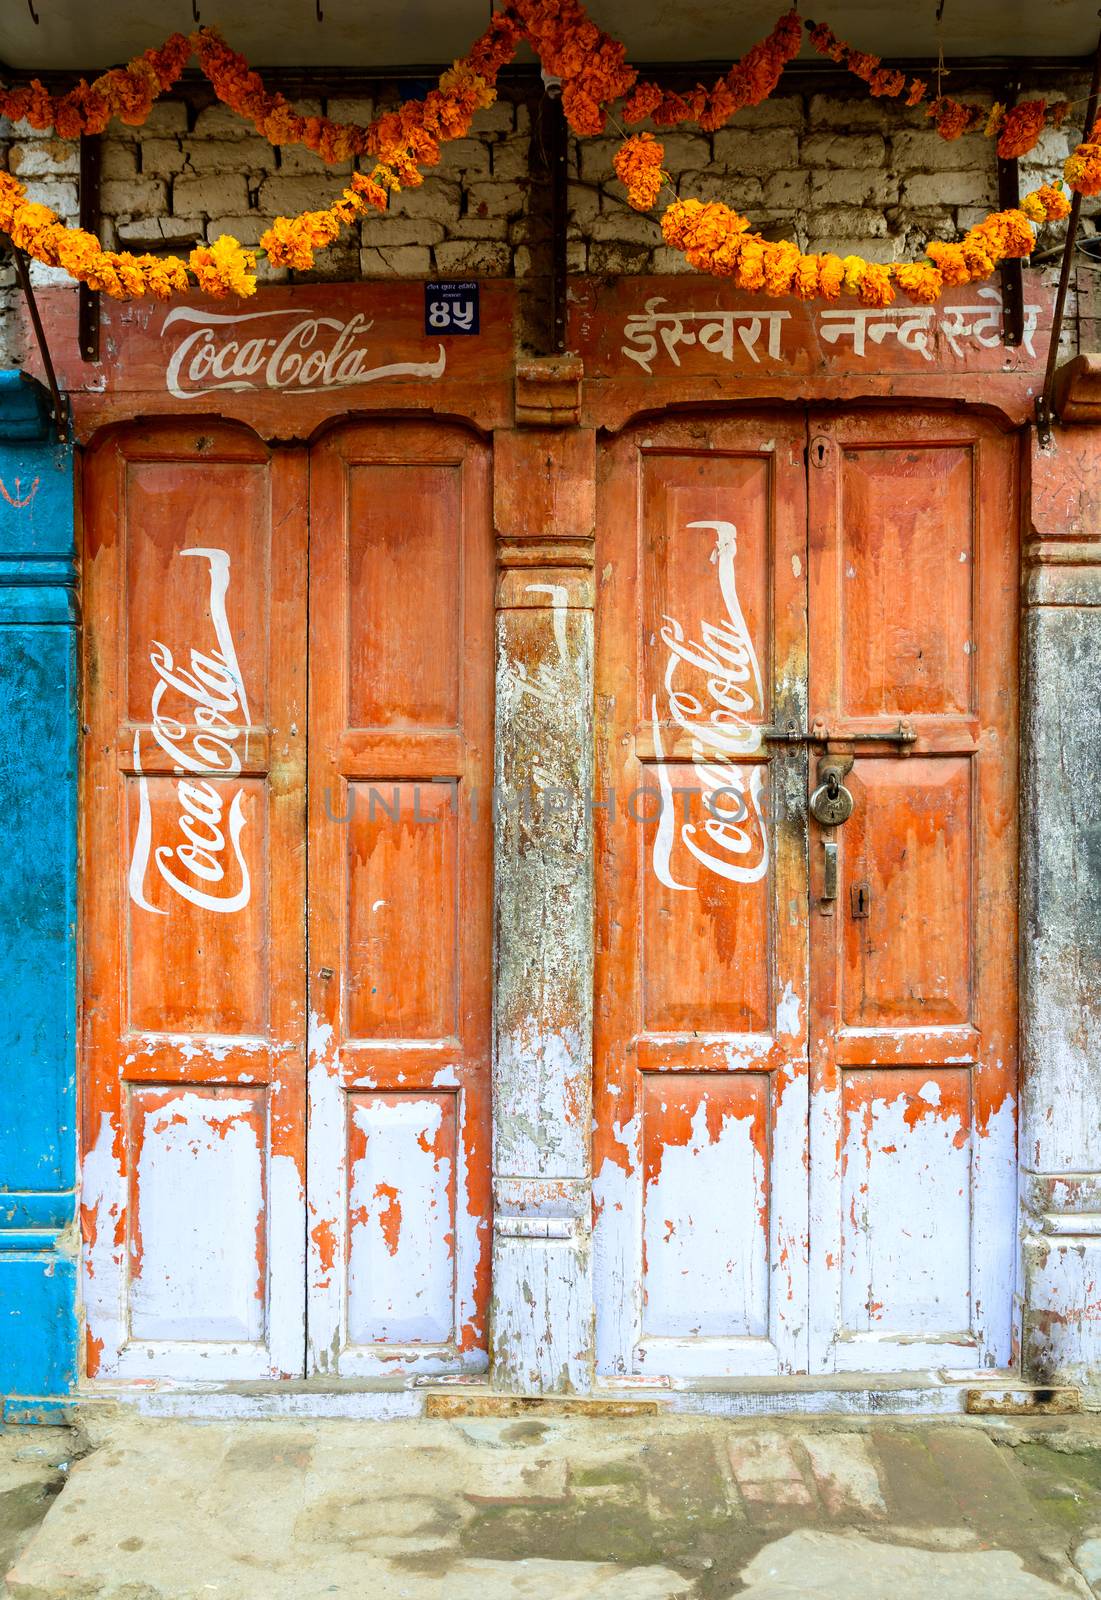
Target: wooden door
x: 913, y: 546
x: 194, y: 896
x: 742, y: 1225
x: 701, y: 974
x: 400, y: 839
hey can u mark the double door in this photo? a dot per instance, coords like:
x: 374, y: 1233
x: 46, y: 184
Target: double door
x: 804, y: 1054
x: 805, y: 1026
x: 286, y: 1110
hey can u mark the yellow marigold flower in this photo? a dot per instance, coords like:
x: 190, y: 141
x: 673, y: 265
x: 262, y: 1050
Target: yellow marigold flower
x: 854, y: 270
x: 224, y: 267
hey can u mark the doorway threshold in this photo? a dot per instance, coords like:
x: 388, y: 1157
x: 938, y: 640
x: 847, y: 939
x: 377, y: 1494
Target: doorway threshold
x: 988, y: 1393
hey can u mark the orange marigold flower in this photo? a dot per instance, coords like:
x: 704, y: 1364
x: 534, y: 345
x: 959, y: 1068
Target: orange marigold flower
x: 780, y: 263
x: 887, y: 81
x: 917, y: 91
x: 950, y: 261
x: 750, y: 272
x: 921, y: 282
x: 1048, y: 203
x: 875, y: 285
x: 642, y: 102
x: 637, y: 164
x: 831, y: 276
x: 861, y: 63
x: 1021, y: 129
x: 804, y: 281
x: 1082, y: 168
x: 826, y: 42
x: 953, y: 118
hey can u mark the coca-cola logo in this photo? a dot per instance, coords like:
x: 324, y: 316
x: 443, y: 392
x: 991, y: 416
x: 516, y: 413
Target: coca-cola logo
x: 305, y: 353
x: 206, y: 692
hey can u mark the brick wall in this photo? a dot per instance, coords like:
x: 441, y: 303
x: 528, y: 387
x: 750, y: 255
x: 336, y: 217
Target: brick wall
x: 832, y: 172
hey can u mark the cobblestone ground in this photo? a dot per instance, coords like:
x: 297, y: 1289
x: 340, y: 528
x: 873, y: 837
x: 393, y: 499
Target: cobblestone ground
x: 647, y: 1509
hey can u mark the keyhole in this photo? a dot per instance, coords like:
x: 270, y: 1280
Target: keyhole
x: 818, y: 452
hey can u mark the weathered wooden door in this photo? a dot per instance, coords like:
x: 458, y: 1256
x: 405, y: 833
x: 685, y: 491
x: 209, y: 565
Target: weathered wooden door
x: 194, y: 880
x: 805, y: 1033
x: 207, y: 694
x: 401, y: 761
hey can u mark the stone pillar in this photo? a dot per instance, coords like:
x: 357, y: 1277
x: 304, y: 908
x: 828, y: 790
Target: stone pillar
x: 38, y: 802
x: 1060, y: 1138
x: 541, y: 1325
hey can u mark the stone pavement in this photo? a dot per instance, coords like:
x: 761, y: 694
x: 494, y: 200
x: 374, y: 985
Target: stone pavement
x: 567, y: 1508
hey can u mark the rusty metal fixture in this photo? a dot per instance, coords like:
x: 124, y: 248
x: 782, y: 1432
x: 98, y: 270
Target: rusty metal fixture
x: 1044, y: 404
x: 1011, y: 271
x: 59, y: 410
x: 91, y: 150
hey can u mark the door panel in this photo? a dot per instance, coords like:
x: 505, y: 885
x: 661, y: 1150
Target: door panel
x: 913, y: 605
x: 701, y: 976
x: 400, y: 837
x: 194, y: 933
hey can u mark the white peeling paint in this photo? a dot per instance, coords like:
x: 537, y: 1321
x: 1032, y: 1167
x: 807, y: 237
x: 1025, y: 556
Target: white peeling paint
x: 705, y: 1233
x: 788, y: 1023
x: 617, y: 1245
x: 199, y: 1202
x: 906, y: 1230
x: 103, y: 1201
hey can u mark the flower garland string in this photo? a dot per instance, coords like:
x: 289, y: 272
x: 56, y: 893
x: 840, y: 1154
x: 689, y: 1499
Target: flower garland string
x: 594, y: 71
x: 717, y: 240
x: 125, y: 92
x: 401, y: 140
x: 1017, y: 128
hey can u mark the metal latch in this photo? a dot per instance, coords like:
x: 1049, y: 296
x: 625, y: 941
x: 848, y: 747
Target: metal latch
x: 829, y: 876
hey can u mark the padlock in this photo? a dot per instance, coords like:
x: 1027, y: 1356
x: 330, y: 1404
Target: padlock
x: 831, y: 803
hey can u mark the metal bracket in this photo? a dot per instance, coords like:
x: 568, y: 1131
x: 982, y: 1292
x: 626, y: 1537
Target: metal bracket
x: 557, y: 136
x: 59, y: 408
x: 1011, y: 270
x: 88, y: 299
x: 1045, y: 408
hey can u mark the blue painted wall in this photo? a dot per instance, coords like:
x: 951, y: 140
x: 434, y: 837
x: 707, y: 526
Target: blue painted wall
x: 38, y: 807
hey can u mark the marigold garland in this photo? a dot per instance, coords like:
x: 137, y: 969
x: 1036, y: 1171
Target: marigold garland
x: 1016, y: 129
x: 594, y: 72
x: 402, y: 140
x: 749, y: 82
x: 125, y: 92
x: 717, y: 240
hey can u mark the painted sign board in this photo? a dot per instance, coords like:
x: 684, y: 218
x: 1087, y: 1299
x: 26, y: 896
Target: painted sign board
x: 698, y: 339
x: 290, y: 357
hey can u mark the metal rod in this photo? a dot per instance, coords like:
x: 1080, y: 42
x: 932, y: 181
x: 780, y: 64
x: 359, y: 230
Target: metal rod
x: 40, y: 335
x: 88, y: 299
x: 1011, y: 270
x: 558, y: 159
x: 1043, y: 405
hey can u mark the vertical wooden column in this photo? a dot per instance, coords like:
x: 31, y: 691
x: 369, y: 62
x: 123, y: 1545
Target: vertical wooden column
x: 38, y: 801
x: 541, y: 1328
x: 1060, y: 1139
